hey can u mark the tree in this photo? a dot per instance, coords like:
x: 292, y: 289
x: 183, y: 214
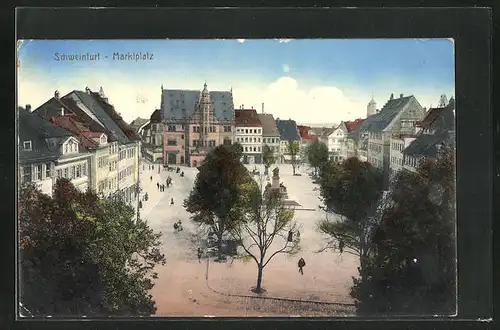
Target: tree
x: 317, y: 155
x: 216, y: 191
x: 293, y: 149
x: 351, y: 191
x: 267, y: 158
x: 264, y: 218
x: 412, y: 268
x: 83, y: 255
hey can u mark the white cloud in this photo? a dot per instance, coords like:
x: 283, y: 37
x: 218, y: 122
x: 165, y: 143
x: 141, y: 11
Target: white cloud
x: 283, y: 41
x: 241, y: 41
x: 285, y: 99
x: 286, y: 68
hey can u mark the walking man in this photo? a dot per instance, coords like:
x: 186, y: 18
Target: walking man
x: 171, y: 201
x: 157, y: 186
x: 151, y: 178
x: 301, y: 264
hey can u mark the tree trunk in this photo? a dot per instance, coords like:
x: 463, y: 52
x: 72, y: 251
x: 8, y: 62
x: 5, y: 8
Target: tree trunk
x: 219, y: 246
x: 258, y: 287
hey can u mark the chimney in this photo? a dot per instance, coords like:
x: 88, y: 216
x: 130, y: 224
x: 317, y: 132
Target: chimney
x: 62, y: 111
x: 401, y: 95
x: 87, y: 89
x: 242, y: 106
x: 392, y: 96
x: 262, y: 107
x: 28, y: 107
x: 252, y: 107
x: 56, y: 94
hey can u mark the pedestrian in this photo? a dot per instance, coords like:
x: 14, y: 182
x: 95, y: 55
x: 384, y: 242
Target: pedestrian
x: 199, y: 254
x: 158, y: 185
x: 171, y: 201
x: 162, y: 187
x: 151, y: 178
x: 290, y: 236
x: 301, y: 264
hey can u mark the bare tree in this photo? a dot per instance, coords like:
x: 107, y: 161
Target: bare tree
x: 265, y: 220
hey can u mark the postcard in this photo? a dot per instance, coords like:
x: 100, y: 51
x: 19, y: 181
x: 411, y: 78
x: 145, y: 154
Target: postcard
x: 236, y: 178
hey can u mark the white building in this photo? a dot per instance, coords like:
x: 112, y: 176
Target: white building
x: 336, y: 143
x: 103, y: 133
x: 396, y: 157
x: 248, y: 133
x: 46, y: 151
x: 270, y: 134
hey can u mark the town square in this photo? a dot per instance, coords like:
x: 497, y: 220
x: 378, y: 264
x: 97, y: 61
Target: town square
x: 273, y: 183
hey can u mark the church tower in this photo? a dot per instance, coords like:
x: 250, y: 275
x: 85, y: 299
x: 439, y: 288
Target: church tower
x: 371, y: 109
x: 206, y: 115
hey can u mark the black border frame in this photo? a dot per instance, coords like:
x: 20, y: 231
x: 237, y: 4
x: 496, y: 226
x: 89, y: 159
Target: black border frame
x: 471, y: 29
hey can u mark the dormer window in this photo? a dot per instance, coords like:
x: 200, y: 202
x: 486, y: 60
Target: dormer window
x: 27, y: 145
x: 103, y: 139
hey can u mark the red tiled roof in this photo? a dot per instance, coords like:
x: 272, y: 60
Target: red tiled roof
x: 83, y: 133
x: 303, y: 130
x: 247, y: 118
x: 351, y: 125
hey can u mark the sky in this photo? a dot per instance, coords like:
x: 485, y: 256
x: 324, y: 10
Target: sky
x: 314, y: 81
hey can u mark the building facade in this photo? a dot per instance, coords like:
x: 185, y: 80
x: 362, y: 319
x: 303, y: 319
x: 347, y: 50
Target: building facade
x: 398, y: 116
x: 248, y: 133
x: 103, y: 134
x: 270, y: 135
x: 437, y: 130
x: 47, y: 152
x: 336, y: 143
x: 289, y: 133
x: 396, y: 157
x: 152, y: 136
x: 195, y: 122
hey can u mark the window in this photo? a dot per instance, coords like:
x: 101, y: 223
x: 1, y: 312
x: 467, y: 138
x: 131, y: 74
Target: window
x: 258, y: 139
x: 258, y: 149
x: 27, y: 145
x: 66, y: 171
x: 59, y: 174
x: 259, y: 131
x: 84, y: 169
x: 171, y: 128
x: 227, y: 129
x: 171, y: 142
x: 195, y: 143
x: 246, y: 148
x: 66, y: 149
x: 254, y: 148
x: 26, y: 173
x: 246, y: 131
x: 72, y: 172
x: 47, y: 170
x: 78, y: 171
x: 246, y: 139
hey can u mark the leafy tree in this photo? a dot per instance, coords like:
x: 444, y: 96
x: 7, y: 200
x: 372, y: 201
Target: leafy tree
x: 317, y: 155
x: 293, y: 149
x: 216, y: 192
x: 265, y: 220
x: 351, y: 191
x: 267, y: 157
x: 412, y: 268
x: 83, y: 255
